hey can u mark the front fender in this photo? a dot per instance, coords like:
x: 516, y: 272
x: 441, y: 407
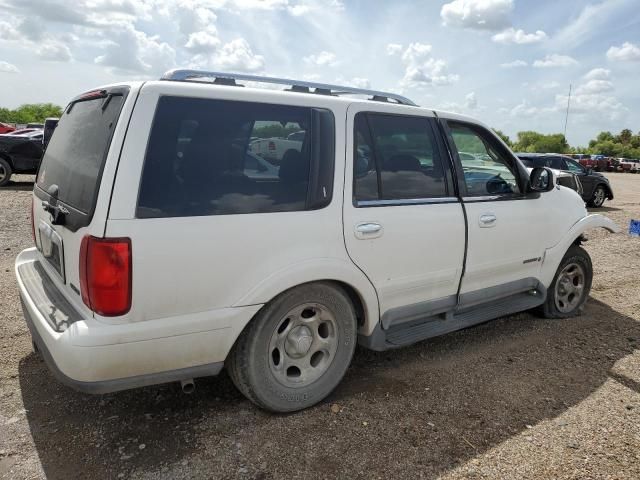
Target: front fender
x: 315, y: 270
x: 553, y: 256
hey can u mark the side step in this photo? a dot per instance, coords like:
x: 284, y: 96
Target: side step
x: 412, y: 332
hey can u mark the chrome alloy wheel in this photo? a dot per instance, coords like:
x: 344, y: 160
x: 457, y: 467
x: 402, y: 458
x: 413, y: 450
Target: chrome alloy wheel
x: 3, y: 173
x: 570, y: 287
x: 598, y: 197
x: 303, y: 345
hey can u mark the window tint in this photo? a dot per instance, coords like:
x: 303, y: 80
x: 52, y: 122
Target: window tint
x: 76, y: 153
x: 574, y: 167
x: 486, y: 171
x: 217, y: 157
x: 396, y: 158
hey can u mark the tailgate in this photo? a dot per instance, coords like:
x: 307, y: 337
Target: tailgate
x: 68, y: 185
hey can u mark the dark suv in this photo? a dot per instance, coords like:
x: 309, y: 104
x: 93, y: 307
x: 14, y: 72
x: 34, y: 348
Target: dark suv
x: 595, y: 186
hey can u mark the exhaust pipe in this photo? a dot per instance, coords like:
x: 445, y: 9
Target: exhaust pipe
x: 188, y: 387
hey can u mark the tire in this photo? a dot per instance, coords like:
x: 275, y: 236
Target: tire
x: 598, y: 197
x: 559, y: 302
x: 297, y: 348
x: 5, y: 172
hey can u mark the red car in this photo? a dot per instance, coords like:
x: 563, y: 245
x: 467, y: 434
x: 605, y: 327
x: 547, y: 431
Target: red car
x: 4, y: 128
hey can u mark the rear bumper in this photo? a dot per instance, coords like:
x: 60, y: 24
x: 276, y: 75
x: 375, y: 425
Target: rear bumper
x: 95, y: 357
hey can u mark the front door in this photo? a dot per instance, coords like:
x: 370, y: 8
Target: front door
x: 506, y: 234
x: 403, y: 225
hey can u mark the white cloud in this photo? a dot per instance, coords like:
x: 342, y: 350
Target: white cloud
x: 470, y: 101
x: 394, y: 48
x: 422, y: 69
x: 323, y: 58
x: 416, y: 52
x: 202, y: 42
x: 591, y: 20
x: 359, y: 82
x: 238, y: 56
x: 131, y: 50
x: 627, y: 52
x: 6, y: 67
x: 54, y: 52
x: 555, y: 60
x: 511, y: 35
x: 598, y: 74
x: 514, y: 64
x: 477, y: 14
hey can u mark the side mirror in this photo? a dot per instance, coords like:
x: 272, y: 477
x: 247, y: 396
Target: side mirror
x: 541, y: 180
x: 589, y: 170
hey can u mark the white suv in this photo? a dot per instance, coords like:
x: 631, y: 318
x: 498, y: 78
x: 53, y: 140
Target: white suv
x: 166, y: 248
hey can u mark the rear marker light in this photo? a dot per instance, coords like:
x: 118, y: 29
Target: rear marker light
x: 105, y: 275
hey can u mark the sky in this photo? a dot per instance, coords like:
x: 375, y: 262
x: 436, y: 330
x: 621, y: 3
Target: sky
x: 508, y: 63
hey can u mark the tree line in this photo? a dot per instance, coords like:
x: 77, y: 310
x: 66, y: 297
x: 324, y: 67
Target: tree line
x: 625, y: 144
x: 30, y: 113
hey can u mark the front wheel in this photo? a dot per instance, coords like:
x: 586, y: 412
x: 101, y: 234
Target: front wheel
x: 297, y: 349
x: 571, y: 285
x: 598, y: 197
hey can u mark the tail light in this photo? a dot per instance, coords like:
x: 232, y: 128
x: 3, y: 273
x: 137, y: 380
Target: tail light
x: 105, y: 275
x: 272, y: 146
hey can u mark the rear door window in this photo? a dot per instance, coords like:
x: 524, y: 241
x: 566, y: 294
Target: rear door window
x: 396, y: 158
x: 75, y: 156
x: 219, y: 157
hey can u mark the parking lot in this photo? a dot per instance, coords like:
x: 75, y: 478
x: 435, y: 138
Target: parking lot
x: 519, y: 397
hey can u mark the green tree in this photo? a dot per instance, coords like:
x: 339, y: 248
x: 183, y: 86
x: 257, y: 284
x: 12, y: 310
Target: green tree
x: 535, y: 142
x: 505, y: 138
x: 624, y: 136
x: 30, y: 113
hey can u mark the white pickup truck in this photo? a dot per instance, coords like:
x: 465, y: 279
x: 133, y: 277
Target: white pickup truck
x: 273, y: 149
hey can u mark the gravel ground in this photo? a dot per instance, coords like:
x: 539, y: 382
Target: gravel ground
x: 518, y: 397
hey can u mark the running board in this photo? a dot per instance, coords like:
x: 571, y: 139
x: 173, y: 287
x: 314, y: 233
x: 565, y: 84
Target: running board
x: 415, y: 331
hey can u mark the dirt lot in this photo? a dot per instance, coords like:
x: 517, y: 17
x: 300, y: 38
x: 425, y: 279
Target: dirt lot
x: 518, y: 397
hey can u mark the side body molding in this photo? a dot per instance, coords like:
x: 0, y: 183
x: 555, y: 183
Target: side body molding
x: 553, y: 256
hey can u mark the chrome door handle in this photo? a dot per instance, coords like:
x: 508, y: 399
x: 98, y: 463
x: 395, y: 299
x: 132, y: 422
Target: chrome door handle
x: 368, y: 230
x: 488, y: 220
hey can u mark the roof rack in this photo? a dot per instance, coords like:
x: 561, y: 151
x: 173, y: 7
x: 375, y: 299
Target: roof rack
x: 220, y: 78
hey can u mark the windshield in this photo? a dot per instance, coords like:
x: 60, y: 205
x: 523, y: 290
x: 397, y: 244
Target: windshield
x: 76, y: 152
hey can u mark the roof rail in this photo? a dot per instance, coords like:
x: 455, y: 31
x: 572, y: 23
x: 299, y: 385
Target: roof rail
x: 220, y: 78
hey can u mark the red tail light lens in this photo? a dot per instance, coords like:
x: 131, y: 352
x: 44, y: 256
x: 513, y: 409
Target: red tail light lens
x: 105, y: 275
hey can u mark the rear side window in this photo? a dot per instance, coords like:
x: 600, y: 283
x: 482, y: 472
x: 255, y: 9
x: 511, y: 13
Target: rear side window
x: 219, y: 157
x: 396, y: 158
x: 75, y: 155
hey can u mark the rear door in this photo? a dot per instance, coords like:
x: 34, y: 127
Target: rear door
x: 67, y: 190
x: 403, y: 225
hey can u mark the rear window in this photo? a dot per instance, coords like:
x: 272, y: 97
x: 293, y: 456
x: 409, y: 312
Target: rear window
x: 75, y: 155
x: 219, y: 157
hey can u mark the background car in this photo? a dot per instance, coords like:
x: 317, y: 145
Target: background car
x: 596, y: 187
x: 6, y: 128
x: 20, y: 154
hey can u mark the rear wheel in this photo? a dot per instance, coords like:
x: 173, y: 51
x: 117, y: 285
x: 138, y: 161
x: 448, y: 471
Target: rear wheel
x: 5, y: 172
x: 296, y: 350
x: 571, y: 285
x: 598, y: 197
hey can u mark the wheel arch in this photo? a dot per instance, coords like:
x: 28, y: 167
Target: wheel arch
x: 339, y: 272
x: 575, y: 236
x: 4, y: 155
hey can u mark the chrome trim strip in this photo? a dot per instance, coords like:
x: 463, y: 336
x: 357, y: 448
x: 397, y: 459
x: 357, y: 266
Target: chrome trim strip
x: 181, y: 75
x: 407, y: 201
x: 481, y: 198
